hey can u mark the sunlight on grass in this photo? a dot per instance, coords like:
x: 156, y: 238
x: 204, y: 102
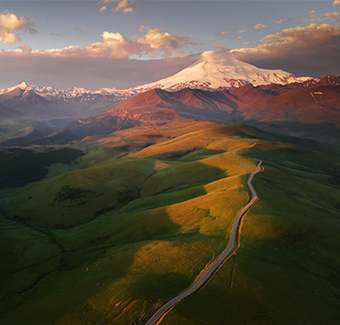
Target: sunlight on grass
x: 134, y: 221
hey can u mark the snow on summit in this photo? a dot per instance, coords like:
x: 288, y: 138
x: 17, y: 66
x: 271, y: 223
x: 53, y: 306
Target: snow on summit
x: 221, y: 69
x: 212, y: 70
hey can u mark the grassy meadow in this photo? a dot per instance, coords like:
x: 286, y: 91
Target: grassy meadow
x: 286, y: 270
x: 131, y: 223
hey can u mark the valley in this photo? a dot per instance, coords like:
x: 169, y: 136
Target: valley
x: 207, y: 197
x: 134, y: 220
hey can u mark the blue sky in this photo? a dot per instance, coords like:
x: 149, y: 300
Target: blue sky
x: 172, y: 32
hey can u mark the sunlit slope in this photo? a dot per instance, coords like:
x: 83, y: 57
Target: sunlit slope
x: 127, y: 229
x: 110, y: 182
x: 169, y: 198
x: 286, y: 270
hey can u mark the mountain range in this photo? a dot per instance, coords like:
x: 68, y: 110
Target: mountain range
x: 211, y: 72
x: 110, y: 207
x: 309, y: 109
x: 218, y: 88
x: 27, y: 102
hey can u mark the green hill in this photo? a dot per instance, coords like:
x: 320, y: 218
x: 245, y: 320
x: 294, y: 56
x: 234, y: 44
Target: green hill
x: 136, y: 219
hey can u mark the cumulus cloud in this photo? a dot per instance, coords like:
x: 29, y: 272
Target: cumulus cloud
x: 299, y: 39
x: 314, y: 48
x: 169, y: 44
x: 238, y: 38
x: 114, y: 45
x: 326, y: 16
x: 10, y: 23
x: 258, y: 26
x: 223, y: 33
x: 241, y: 31
x: 126, y: 6
x: 336, y: 2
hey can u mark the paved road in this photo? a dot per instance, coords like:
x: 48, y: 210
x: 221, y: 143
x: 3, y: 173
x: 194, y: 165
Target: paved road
x: 160, y: 313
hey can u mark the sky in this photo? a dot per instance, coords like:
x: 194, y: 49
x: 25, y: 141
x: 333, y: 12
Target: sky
x: 126, y: 43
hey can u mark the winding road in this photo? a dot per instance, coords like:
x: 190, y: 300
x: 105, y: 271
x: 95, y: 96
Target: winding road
x: 161, y: 312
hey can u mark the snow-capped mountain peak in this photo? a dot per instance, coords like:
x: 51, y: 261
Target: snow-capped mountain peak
x: 222, y: 69
x: 211, y: 71
x: 24, y: 85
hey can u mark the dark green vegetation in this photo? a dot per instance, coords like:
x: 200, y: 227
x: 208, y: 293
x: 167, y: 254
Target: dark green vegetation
x: 146, y: 209
x: 20, y: 166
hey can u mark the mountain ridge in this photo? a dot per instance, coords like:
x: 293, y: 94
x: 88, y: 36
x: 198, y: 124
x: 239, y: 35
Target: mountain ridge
x: 212, y: 71
x: 293, y: 111
x: 217, y: 88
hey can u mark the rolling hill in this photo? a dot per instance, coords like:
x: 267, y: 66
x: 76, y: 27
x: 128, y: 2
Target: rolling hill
x: 130, y: 224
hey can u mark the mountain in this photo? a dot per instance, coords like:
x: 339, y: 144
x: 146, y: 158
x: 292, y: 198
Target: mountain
x: 217, y: 87
x: 121, y: 120
x: 309, y: 109
x: 27, y: 102
x: 51, y: 93
x: 220, y: 69
x: 213, y: 70
x: 319, y: 104
x: 311, y: 106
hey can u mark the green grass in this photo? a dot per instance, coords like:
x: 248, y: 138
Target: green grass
x: 286, y: 270
x: 133, y: 224
x: 120, y: 214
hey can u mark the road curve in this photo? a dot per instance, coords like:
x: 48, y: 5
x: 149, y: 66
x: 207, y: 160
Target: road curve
x: 161, y: 312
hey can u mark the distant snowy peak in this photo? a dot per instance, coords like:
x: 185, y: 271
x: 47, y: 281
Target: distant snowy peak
x: 51, y: 93
x: 23, y: 86
x: 214, y: 71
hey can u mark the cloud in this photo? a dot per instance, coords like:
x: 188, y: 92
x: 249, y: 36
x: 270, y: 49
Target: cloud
x: 141, y: 28
x: 154, y: 43
x: 171, y: 45
x: 238, y: 38
x: 282, y: 20
x: 219, y: 48
x: 336, y: 2
x: 10, y: 23
x: 25, y: 49
x: 302, y: 49
x: 241, y: 31
x: 329, y: 15
x: 223, y: 33
x: 258, y: 26
x: 126, y: 6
